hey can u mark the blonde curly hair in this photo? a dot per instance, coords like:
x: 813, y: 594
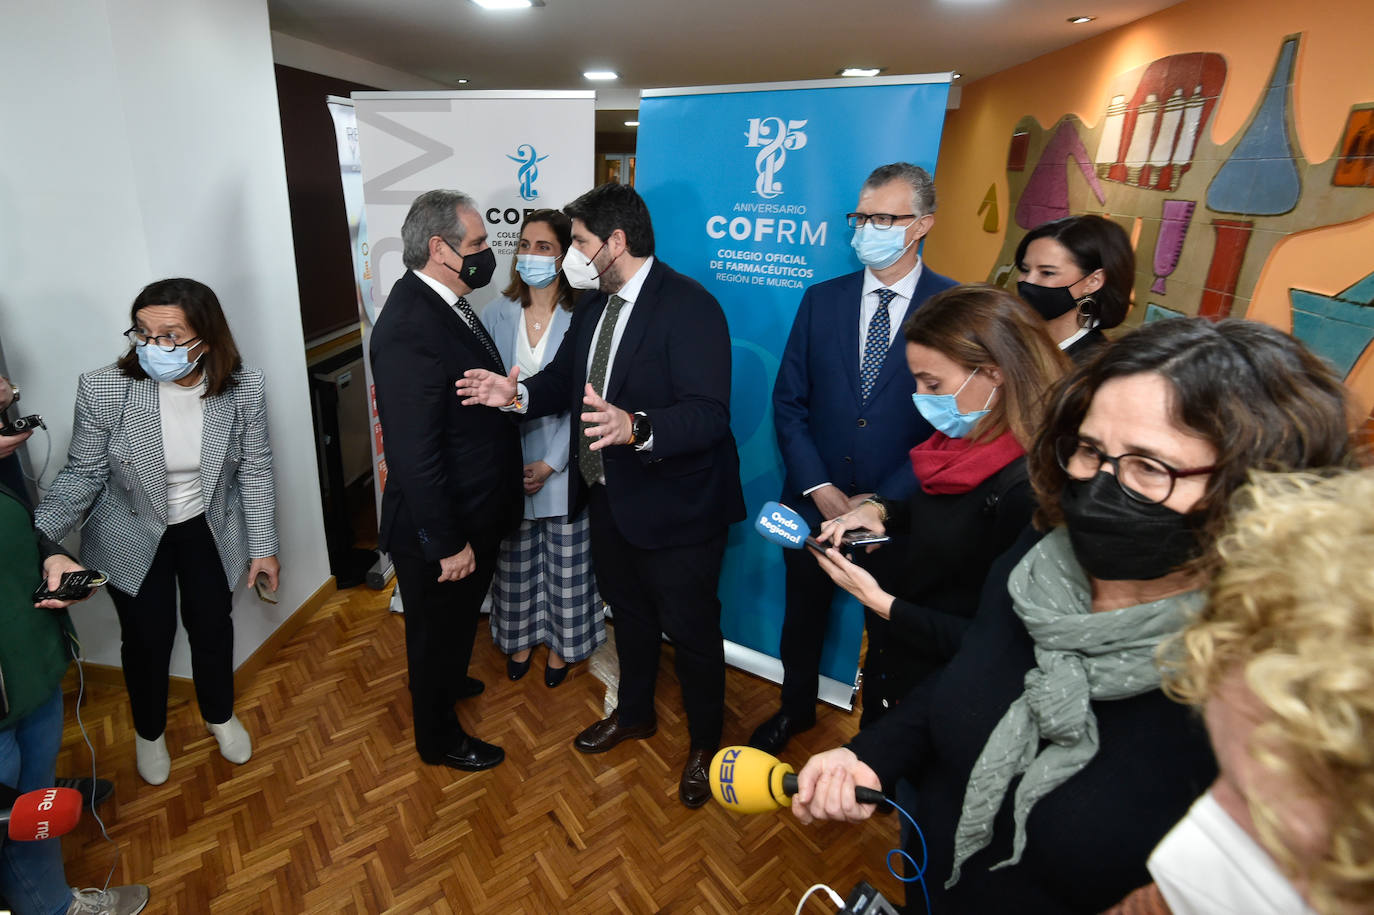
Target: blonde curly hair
x: 1292, y: 610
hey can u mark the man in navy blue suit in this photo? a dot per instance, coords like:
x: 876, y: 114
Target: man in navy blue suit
x: 843, y: 412
x: 646, y: 365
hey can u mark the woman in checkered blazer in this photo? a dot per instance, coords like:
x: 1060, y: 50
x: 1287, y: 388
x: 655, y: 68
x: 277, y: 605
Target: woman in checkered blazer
x: 170, y: 466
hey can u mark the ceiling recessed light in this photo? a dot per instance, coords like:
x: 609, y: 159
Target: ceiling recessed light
x: 1079, y: 20
x: 631, y: 123
x: 600, y: 74
x: 862, y: 71
x: 462, y: 81
x: 508, y: 4
x: 955, y: 75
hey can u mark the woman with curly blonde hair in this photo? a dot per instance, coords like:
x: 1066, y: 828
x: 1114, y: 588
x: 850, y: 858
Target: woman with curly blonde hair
x: 1281, y: 662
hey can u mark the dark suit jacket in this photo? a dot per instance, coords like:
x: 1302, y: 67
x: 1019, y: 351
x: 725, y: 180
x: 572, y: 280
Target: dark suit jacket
x: 825, y: 431
x: 673, y: 364
x: 453, y: 472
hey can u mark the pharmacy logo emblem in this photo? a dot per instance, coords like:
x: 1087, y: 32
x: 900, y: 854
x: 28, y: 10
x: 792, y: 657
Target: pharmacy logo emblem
x: 776, y: 137
x: 529, y: 169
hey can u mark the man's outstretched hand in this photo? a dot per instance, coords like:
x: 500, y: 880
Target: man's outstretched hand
x: 479, y: 387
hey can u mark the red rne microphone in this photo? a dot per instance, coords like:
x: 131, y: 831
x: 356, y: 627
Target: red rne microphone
x: 747, y: 780
x: 43, y: 814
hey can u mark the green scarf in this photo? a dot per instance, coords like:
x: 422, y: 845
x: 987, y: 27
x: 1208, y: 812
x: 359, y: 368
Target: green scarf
x: 1080, y: 656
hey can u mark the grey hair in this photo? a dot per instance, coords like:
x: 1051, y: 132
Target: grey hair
x: 433, y: 213
x: 922, y: 185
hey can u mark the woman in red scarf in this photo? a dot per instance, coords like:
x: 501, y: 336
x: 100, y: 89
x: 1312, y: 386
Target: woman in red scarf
x: 983, y: 363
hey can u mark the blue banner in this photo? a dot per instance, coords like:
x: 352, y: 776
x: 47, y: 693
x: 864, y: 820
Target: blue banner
x: 749, y: 187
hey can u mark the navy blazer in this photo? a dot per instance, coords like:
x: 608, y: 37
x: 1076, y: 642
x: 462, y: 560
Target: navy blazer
x: 673, y: 364
x: 826, y: 433
x: 453, y: 472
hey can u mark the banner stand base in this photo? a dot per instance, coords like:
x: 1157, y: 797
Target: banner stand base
x: 831, y: 692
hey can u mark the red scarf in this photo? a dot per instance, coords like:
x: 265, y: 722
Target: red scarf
x: 946, y: 466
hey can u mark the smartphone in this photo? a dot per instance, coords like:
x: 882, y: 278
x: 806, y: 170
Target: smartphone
x: 863, y: 537
x: 260, y: 586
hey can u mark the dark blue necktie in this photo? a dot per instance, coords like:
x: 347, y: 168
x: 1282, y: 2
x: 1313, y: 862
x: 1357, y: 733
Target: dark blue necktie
x: 876, y: 344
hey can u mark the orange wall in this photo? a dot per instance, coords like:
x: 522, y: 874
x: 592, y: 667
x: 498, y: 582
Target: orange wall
x: 1335, y: 70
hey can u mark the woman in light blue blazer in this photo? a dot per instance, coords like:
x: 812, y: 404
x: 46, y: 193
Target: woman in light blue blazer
x: 544, y: 592
x: 170, y: 466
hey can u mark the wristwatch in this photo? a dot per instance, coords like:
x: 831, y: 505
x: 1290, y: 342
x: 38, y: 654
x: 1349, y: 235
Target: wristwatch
x: 642, y: 429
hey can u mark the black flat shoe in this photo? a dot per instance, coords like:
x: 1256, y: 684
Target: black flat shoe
x: 555, y: 675
x: 517, y: 669
x: 94, y: 791
x: 773, y: 734
x: 470, y: 755
x: 471, y: 687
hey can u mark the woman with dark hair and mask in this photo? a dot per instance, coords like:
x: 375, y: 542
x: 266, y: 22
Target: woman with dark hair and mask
x: 1077, y: 272
x: 1046, y: 759
x: 544, y: 592
x: 171, y: 469
x: 983, y: 364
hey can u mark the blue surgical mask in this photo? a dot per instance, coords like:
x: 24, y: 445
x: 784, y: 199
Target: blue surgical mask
x: 537, y: 270
x: 879, y: 248
x: 160, y: 365
x: 942, y: 410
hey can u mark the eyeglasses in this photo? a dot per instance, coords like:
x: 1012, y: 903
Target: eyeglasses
x: 1144, y: 479
x: 166, y: 342
x: 879, y: 220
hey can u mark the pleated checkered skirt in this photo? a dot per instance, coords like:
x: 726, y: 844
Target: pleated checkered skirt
x: 544, y: 592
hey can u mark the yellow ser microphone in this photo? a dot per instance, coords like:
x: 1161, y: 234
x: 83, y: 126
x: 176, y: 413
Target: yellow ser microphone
x: 747, y: 780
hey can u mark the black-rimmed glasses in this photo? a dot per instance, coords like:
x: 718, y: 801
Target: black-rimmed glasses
x: 1144, y: 479
x: 877, y: 220
x: 166, y: 342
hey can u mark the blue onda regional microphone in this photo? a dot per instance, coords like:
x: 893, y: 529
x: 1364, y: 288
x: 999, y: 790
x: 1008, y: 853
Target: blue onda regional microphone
x: 782, y: 525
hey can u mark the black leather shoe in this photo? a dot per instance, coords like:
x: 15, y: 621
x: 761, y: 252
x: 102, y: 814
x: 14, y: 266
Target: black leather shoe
x: 98, y: 788
x: 695, y: 787
x: 555, y: 675
x: 471, y: 687
x: 773, y: 734
x: 470, y: 755
x: 517, y: 669
x: 608, y: 732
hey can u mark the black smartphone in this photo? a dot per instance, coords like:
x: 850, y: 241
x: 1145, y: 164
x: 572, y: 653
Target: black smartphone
x: 73, y: 586
x: 863, y: 537
x: 23, y: 424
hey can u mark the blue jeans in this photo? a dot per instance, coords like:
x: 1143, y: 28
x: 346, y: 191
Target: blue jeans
x: 32, y: 879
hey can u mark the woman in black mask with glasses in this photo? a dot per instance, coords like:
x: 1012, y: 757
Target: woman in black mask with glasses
x: 1047, y: 763
x: 1077, y: 273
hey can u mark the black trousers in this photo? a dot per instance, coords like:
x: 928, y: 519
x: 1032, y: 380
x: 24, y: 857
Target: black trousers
x: 809, y: 592
x: 441, y: 622
x: 186, y: 560
x: 652, y: 592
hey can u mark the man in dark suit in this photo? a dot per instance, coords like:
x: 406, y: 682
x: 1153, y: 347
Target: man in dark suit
x: 843, y: 412
x: 646, y: 363
x: 453, y: 488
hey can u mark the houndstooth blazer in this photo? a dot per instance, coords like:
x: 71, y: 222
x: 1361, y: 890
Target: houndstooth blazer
x: 116, y: 468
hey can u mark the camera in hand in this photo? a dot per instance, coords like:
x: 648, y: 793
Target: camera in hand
x: 23, y: 424
x: 73, y: 586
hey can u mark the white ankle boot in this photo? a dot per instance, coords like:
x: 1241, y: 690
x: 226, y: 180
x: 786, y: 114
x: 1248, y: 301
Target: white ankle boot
x: 154, y: 762
x: 234, y: 743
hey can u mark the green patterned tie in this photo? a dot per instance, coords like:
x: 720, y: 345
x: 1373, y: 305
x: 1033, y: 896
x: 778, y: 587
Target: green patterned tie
x: 589, y: 461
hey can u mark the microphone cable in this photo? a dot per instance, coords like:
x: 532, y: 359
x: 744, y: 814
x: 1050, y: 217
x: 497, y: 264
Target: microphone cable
x: 80, y: 695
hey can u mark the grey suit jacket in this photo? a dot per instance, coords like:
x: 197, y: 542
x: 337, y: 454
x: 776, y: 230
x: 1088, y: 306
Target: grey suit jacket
x: 117, y: 469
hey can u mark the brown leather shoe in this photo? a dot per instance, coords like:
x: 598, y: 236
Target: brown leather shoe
x: 695, y: 787
x: 608, y: 732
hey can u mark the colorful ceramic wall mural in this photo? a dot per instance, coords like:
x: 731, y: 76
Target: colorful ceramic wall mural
x: 1204, y: 216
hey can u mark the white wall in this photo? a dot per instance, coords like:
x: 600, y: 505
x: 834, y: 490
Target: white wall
x: 290, y: 51
x: 140, y: 139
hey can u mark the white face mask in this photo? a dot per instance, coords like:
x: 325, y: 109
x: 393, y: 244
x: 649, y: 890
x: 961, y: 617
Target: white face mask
x: 580, y: 271
x: 1208, y: 865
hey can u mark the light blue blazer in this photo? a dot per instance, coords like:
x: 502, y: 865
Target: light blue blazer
x: 546, y: 438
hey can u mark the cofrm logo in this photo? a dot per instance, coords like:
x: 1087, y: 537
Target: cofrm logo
x: 529, y: 170
x: 776, y: 136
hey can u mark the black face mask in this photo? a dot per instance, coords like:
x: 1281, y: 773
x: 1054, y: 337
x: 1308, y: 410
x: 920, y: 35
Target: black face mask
x: 1050, y: 301
x: 1116, y: 538
x: 477, y: 268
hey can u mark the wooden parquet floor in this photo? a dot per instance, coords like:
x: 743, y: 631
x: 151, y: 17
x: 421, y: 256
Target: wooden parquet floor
x: 336, y: 814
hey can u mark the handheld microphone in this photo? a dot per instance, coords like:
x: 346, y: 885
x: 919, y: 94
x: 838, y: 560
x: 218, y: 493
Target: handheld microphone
x: 43, y: 814
x: 747, y: 780
x: 781, y: 525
